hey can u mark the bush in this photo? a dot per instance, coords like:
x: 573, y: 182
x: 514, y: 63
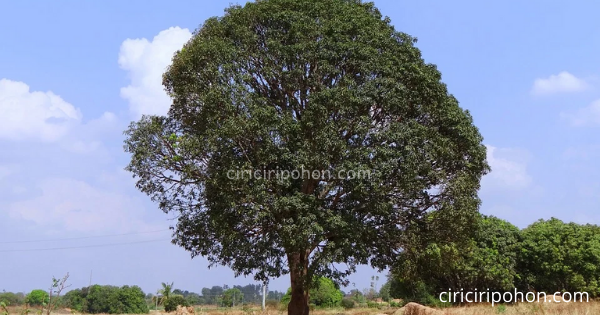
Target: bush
x: 37, y: 297
x: 347, y: 303
x: 110, y: 299
x: 324, y: 294
x: 172, y: 302
x: 371, y: 304
x: 501, y: 309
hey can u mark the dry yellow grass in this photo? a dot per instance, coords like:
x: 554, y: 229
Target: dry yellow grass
x: 591, y: 308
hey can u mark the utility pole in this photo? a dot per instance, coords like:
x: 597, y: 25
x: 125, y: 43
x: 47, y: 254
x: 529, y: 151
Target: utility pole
x: 91, y: 277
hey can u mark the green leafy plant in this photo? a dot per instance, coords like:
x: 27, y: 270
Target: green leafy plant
x: 174, y: 301
x: 3, y: 308
x: 37, y: 298
x: 347, y: 303
x: 501, y: 309
x: 58, y: 285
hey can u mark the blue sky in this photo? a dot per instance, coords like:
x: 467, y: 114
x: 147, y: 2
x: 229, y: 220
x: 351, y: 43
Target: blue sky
x: 73, y: 74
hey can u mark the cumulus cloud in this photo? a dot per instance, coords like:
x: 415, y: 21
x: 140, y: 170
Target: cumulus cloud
x: 586, y: 116
x: 563, y: 82
x: 146, y: 61
x: 509, y: 168
x: 86, y: 138
x: 33, y: 115
x: 74, y: 205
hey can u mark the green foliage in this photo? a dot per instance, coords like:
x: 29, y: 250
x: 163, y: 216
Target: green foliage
x: 10, y: 298
x: 75, y: 299
x: 108, y: 299
x: 347, y: 303
x: 557, y: 256
x: 358, y: 296
x: 173, y: 301
x: 210, y: 294
x: 325, y: 293
x: 294, y: 85
x: 166, y: 291
x: 488, y: 259
x: 232, y: 297
x: 37, y: 298
x: 285, y: 300
x: 501, y: 309
x: 384, y: 291
x: 193, y: 299
x: 547, y: 256
x: 3, y: 308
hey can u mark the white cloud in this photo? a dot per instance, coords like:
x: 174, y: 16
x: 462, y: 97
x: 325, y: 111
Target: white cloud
x: 146, y: 62
x: 33, y: 115
x: 509, y: 168
x: 586, y: 116
x: 74, y: 205
x: 85, y: 138
x: 563, y: 82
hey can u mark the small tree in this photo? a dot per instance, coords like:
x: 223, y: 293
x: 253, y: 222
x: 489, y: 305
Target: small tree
x: 384, y: 291
x: 58, y: 285
x: 165, y: 291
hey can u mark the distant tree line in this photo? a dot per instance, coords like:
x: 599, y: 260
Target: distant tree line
x: 132, y: 299
x: 548, y: 256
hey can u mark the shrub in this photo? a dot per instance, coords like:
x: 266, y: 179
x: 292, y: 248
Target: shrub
x: 74, y: 300
x: 173, y: 301
x: 324, y: 294
x: 347, y: 303
x: 501, y: 309
x: 111, y: 300
x: 371, y: 304
x: 37, y: 297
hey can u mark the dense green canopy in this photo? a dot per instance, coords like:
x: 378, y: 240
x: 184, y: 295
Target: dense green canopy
x: 291, y: 85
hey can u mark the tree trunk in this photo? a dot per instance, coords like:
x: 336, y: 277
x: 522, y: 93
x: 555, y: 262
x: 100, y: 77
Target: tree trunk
x: 298, y: 263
